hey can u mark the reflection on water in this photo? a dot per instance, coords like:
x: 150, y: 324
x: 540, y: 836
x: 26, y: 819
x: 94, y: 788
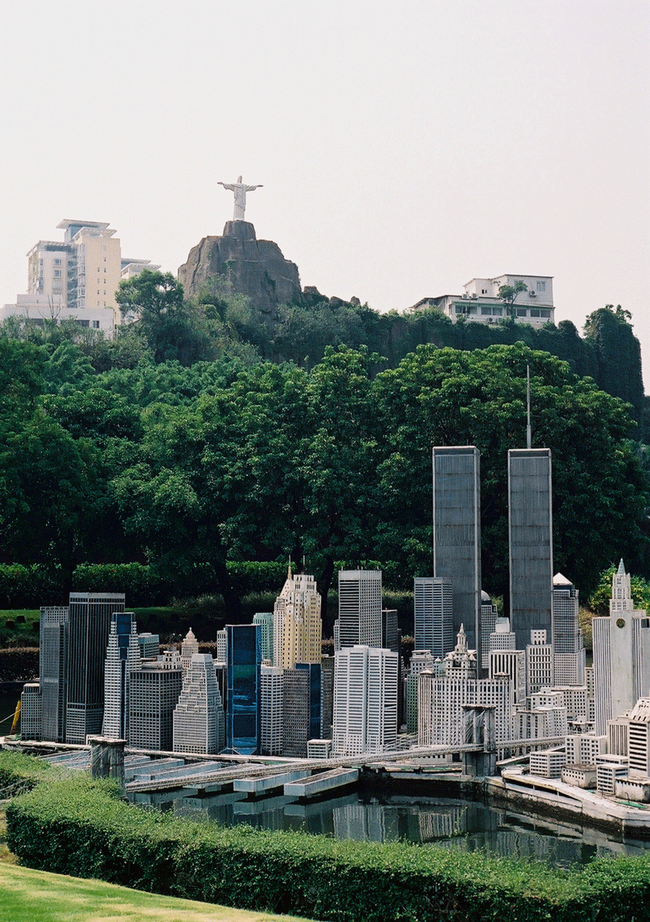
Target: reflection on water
x: 451, y: 823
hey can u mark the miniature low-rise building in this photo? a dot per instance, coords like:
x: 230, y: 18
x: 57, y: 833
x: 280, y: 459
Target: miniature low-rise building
x: 548, y: 763
x: 319, y: 749
x: 609, y: 770
x: 581, y: 776
x: 632, y: 789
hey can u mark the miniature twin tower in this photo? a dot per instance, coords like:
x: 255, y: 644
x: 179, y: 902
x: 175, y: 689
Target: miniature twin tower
x: 457, y: 540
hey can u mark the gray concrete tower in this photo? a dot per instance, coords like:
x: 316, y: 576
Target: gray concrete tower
x: 530, y: 537
x: 457, y: 533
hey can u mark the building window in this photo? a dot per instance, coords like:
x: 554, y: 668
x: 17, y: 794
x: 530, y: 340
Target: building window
x: 545, y: 313
x: 540, y: 286
x: 497, y: 311
x: 57, y: 273
x: 522, y: 312
x: 534, y: 312
x: 486, y: 310
x: 57, y: 262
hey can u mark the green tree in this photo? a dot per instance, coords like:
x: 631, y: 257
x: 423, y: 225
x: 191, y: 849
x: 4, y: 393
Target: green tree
x: 618, y: 355
x: 444, y: 397
x: 170, y: 327
x: 509, y: 294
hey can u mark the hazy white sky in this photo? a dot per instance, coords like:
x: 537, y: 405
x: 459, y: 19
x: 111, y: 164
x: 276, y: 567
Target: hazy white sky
x: 404, y: 148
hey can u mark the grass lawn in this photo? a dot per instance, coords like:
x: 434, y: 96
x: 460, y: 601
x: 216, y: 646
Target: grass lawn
x: 36, y: 896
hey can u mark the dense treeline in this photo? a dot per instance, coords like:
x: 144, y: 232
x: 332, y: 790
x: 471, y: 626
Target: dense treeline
x: 219, y: 320
x: 117, y: 453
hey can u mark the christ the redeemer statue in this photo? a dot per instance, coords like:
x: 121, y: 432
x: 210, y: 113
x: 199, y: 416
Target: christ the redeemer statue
x: 240, y: 189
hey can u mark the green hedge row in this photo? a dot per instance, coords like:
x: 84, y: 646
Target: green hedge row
x: 20, y: 771
x: 82, y: 828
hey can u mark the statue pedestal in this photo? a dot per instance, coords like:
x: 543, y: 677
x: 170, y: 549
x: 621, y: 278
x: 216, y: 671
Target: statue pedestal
x: 242, y: 230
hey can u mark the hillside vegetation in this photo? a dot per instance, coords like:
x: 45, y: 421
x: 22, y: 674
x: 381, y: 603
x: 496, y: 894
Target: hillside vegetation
x: 196, y: 469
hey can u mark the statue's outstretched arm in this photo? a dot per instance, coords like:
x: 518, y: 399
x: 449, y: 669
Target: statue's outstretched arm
x: 228, y: 186
x: 251, y: 188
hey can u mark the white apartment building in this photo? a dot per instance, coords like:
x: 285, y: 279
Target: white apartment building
x: 81, y: 273
x: 574, y: 699
x: 547, y: 763
x: 365, y: 700
x: 512, y: 665
x: 539, y: 662
x: 618, y: 735
x: 585, y: 748
x: 122, y: 657
x: 480, y: 301
x: 639, y: 739
x: 154, y: 688
x: 441, y: 718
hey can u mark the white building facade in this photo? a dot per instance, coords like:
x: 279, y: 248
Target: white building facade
x: 359, y: 620
x: 365, y: 700
x: 480, y: 301
x: 621, y: 643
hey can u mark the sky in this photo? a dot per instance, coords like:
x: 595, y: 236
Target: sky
x: 404, y: 148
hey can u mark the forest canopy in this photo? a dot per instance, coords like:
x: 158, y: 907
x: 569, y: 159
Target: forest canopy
x: 112, y: 452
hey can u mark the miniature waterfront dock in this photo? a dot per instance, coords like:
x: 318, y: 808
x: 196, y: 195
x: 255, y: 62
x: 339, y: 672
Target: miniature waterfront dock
x: 322, y: 783
x: 258, y: 787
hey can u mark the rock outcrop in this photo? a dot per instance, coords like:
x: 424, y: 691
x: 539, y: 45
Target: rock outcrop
x: 253, y: 267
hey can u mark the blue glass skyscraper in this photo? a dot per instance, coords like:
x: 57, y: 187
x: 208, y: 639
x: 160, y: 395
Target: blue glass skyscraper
x: 243, y: 729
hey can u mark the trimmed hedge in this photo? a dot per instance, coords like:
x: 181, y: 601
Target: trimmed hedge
x: 21, y: 771
x: 27, y: 587
x: 82, y: 828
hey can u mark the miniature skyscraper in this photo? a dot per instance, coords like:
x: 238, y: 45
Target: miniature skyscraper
x: 433, y: 614
x: 154, y: 689
x: 621, y: 654
x: 457, y: 533
x: 359, y: 620
x: 530, y: 535
x: 297, y: 626
x: 198, y: 716
x: 365, y: 700
x: 122, y: 657
x: 568, y: 649
x: 243, y: 730
x: 88, y: 629
x: 52, y: 672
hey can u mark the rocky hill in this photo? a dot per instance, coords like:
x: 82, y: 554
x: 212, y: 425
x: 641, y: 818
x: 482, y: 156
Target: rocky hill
x: 253, y: 267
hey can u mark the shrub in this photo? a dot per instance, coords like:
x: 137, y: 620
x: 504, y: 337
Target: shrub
x: 82, y: 828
